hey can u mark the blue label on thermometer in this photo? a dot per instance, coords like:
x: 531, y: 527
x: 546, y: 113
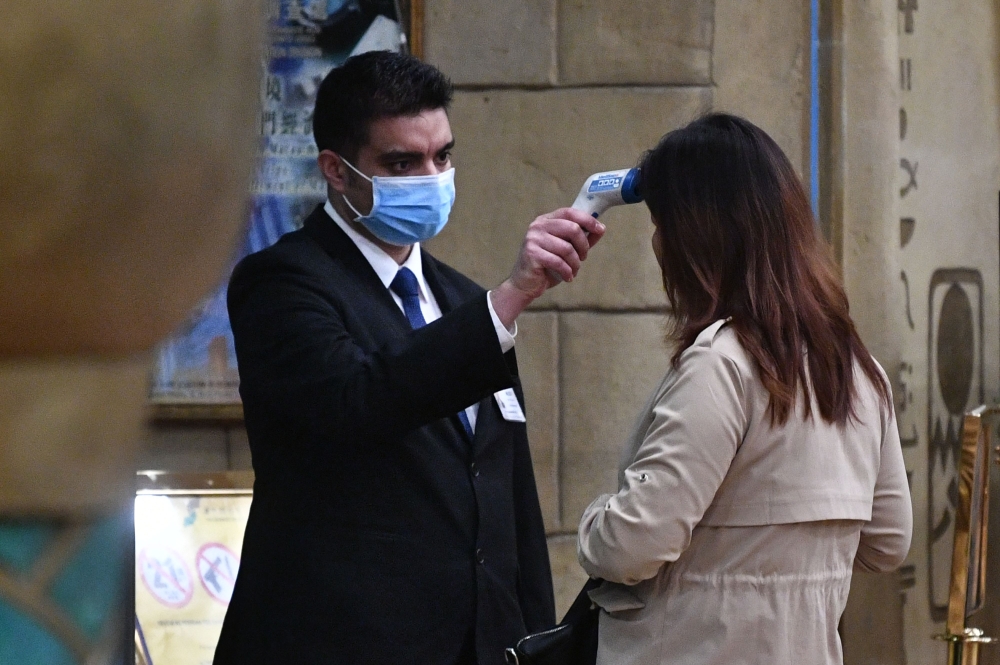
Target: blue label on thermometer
x: 605, y: 183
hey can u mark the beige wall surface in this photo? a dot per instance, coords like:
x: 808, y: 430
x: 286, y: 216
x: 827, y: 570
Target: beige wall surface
x: 861, y: 173
x: 948, y: 176
x: 520, y: 153
x: 619, y: 80
x: 915, y: 164
x: 761, y: 69
x: 550, y: 91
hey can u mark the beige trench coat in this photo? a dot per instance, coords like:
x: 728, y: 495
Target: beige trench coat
x: 730, y: 541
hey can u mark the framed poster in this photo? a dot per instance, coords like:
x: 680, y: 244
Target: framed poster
x: 188, y: 538
x: 196, y: 377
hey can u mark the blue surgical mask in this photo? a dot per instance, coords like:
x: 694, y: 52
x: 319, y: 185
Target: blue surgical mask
x: 407, y: 209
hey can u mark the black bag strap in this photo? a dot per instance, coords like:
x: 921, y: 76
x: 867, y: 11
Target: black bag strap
x: 582, y: 605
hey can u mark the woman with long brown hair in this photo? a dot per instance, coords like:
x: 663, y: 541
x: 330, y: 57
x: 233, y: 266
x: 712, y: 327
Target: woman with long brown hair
x: 767, y: 465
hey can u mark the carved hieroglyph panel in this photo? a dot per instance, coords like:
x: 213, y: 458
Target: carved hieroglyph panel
x: 948, y: 179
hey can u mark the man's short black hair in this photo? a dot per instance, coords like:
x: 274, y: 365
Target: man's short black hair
x: 371, y: 86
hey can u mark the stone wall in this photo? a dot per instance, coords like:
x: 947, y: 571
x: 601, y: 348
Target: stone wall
x: 548, y: 93
x: 858, y: 205
x: 915, y: 165
x: 947, y: 182
x: 551, y: 91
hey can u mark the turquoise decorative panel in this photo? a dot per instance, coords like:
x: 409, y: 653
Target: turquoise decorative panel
x: 91, y: 581
x: 21, y: 542
x: 61, y: 588
x: 23, y: 640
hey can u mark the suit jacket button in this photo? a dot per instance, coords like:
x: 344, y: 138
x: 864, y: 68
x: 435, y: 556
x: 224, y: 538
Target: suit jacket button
x: 474, y: 469
x: 480, y: 557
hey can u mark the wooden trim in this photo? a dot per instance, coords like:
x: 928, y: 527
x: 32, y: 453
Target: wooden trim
x: 417, y: 28
x: 201, y: 484
x: 215, y: 413
x: 831, y: 126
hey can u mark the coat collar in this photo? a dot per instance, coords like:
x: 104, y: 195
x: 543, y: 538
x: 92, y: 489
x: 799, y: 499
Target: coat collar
x: 341, y: 248
x: 384, y: 265
x: 327, y: 233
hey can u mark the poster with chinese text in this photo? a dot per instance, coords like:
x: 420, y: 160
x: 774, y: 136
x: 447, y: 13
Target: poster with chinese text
x: 308, y: 38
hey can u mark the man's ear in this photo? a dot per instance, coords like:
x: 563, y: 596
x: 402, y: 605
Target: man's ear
x: 334, y: 170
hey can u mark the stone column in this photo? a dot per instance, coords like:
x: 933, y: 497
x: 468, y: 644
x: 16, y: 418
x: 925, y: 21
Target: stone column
x: 859, y: 198
x: 947, y: 177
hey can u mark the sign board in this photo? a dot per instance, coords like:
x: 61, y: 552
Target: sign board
x: 188, y: 536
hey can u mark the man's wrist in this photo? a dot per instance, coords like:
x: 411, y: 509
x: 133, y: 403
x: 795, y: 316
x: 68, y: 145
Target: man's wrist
x: 508, y: 302
x: 506, y: 335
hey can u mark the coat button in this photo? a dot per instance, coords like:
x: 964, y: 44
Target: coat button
x: 474, y: 469
x: 480, y: 557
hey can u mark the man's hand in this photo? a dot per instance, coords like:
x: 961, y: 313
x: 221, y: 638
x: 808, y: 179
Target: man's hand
x: 553, y: 250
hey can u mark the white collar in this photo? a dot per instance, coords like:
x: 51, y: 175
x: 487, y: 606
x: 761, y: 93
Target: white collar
x: 384, y: 265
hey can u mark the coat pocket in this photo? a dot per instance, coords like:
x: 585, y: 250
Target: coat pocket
x: 613, y: 598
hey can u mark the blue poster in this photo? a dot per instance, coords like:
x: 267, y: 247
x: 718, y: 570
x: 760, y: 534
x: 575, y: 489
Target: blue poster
x: 308, y: 38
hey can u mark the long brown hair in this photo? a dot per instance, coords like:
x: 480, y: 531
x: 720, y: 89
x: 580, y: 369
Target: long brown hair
x: 738, y: 239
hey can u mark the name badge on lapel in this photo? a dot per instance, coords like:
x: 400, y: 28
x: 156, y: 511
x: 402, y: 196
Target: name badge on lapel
x: 510, y: 408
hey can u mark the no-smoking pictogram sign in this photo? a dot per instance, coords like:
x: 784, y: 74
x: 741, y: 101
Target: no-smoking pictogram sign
x: 166, y: 576
x: 217, y: 568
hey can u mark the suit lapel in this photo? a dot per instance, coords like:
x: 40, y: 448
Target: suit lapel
x: 370, y: 291
x: 377, y: 302
x: 447, y: 296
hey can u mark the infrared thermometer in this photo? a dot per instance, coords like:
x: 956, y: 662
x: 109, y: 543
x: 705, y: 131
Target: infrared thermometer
x: 606, y: 189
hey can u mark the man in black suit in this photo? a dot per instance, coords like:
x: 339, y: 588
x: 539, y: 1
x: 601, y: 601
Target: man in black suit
x: 395, y: 517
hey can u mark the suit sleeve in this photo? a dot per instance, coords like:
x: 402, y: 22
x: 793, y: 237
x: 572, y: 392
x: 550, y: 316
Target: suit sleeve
x: 297, y: 357
x: 534, y: 574
x: 885, y: 540
x: 698, y: 424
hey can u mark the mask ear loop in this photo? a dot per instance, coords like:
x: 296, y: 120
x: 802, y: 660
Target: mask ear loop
x: 344, y: 196
x: 351, y: 206
x: 353, y: 168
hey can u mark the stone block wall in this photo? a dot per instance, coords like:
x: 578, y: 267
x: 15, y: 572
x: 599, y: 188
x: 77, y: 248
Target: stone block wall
x: 549, y: 92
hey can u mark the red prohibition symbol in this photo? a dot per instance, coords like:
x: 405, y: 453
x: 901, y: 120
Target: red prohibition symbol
x: 217, y: 568
x: 166, y: 576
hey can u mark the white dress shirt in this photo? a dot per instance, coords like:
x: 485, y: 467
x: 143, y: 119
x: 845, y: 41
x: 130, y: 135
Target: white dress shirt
x: 386, y: 268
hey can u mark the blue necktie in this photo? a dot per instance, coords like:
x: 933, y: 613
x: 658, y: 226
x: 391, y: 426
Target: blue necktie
x: 404, y: 285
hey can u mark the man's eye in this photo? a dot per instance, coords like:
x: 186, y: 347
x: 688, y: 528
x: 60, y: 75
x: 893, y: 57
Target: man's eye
x: 444, y: 157
x: 400, y: 166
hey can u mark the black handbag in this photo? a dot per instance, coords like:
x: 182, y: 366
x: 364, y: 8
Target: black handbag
x: 572, y: 642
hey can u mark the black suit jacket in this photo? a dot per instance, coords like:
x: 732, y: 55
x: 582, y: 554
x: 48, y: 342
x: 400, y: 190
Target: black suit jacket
x: 378, y: 533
